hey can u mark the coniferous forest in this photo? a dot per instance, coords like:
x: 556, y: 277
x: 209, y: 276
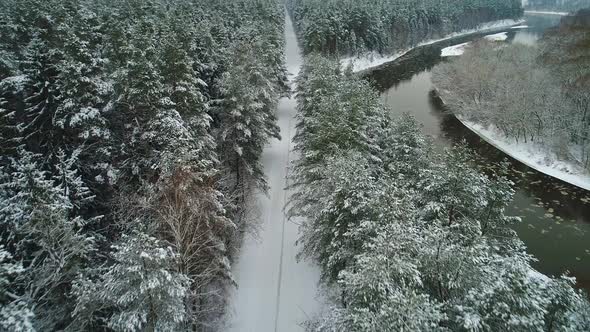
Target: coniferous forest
x: 408, y: 238
x: 130, y: 138
x: 133, y: 138
x: 352, y: 26
x: 559, y: 5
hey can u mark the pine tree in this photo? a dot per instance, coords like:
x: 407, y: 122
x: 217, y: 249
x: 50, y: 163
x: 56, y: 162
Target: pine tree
x: 184, y: 87
x: 144, y: 288
x: 15, y: 315
x: 248, y: 119
x: 382, y: 290
x: 139, y: 99
x: 38, y: 223
x: 345, y: 197
x: 41, y: 91
x: 84, y: 91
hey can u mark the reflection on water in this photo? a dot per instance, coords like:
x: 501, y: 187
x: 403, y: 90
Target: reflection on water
x: 555, y: 215
x: 409, y: 98
x: 526, y: 38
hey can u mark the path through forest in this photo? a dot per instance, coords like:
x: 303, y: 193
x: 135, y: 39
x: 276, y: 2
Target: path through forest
x: 275, y: 292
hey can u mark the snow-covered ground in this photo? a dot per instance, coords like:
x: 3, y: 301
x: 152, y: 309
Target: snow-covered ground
x: 502, y: 36
x: 369, y: 60
x: 275, y: 293
x: 522, y: 26
x: 533, y: 155
x: 537, y: 12
x: 373, y: 59
x: 459, y: 49
x: 454, y: 50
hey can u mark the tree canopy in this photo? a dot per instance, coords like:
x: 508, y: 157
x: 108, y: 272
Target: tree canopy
x: 130, y: 137
x: 356, y: 26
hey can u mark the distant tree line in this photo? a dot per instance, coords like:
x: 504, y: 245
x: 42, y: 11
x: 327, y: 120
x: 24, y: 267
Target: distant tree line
x: 355, y: 26
x: 558, y: 5
x: 130, y: 141
x: 533, y: 94
x: 409, y: 239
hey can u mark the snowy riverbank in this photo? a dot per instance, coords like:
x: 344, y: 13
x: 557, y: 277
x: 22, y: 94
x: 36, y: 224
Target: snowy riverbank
x: 533, y: 155
x: 537, y: 12
x: 459, y: 49
x: 454, y: 50
x: 374, y: 59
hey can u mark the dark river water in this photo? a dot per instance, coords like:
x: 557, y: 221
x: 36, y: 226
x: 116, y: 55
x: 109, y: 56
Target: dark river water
x: 555, y: 215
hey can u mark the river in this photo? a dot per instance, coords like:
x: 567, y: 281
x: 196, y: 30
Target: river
x: 555, y: 215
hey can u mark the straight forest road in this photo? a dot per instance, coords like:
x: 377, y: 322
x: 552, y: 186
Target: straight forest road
x: 275, y: 292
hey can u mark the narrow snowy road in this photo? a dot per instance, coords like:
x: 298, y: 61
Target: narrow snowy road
x: 275, y: 293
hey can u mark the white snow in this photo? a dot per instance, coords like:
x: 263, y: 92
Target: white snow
x: 369, y: 60
x: 502, y: 36
x: 275, y: 292
x: 373, y: 59
x: 536, y: 275
x: 454, y: 50
x: 15, y: 82
x: 523, y: 26
x: 533, y: 155
x: 536, y: 12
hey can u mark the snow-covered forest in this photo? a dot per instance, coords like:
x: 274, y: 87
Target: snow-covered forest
x: 557, y: 5
x: 537, y: 95
x: 408, y: 238
x: 132, y: 156
x: 130, y: 142
x: 355, y: 26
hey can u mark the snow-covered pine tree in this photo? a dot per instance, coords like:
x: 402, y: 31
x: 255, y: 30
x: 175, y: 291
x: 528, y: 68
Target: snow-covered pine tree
x: 139, y: 99
x: 40, y: 96
x: 382, y: 289
x: 84, y: 94
x: 144, y: 287
x: 452, y: 194
x: 183, y: 85
x: 247, y: 114
x: 15, y: 315
x: 344, y: 196
x: 40, y: 228
x: 405, y: 150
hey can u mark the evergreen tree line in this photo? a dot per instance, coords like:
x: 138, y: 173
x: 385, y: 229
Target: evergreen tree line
x: 130, y: 141
x: 536, y: 94
x: 407, y: 238
x: 342, y: 27
x: 559, y: 5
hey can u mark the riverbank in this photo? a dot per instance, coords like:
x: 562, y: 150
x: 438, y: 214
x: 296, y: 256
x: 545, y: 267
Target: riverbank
x: 555, y: 215
x: 534, y: 156
x: 459, y: 49
x: 537, y: 12
x: 374, y: 59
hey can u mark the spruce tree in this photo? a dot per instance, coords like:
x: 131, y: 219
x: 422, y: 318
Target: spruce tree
x: 144, y: 288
